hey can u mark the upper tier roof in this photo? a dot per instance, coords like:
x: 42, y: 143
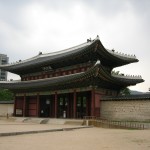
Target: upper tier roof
x: 92, y: 50
x: 95, y: 76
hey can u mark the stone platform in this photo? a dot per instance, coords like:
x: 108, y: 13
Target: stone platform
x: 20, y: 125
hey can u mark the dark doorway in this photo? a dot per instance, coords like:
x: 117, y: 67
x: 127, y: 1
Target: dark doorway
x: 83, y: 104
x: 62, y: 106
x: 46, y: 106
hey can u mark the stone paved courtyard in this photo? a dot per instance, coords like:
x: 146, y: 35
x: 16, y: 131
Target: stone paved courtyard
x: 80, y: 139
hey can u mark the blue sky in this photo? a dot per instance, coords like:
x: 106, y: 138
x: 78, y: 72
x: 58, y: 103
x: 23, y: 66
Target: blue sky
x: 30, y: 26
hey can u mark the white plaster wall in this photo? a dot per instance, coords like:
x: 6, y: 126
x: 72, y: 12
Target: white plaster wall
x: 132, y: 110
x: 6, y: 108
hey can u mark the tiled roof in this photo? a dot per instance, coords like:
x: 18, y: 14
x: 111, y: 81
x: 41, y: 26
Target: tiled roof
x: 92, y: 50
x: 7, y: 102
x: 96, y: 75
x: 127, y: 97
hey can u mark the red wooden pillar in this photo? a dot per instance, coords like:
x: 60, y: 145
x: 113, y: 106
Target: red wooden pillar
x: 38, y: 105
x: 92, y: 102
x: 87, y: 106
x: 53, y: 107
x: 56, y: 102
x: 68, y: 107
x: 24, y: 105
x: 15, y: 105
x: 74, y: 104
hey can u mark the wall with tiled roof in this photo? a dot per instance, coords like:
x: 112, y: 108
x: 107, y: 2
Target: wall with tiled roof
x: 134, y: 108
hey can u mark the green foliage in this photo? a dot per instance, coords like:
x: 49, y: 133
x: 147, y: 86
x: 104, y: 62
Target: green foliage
x: 115, y: 72
x: 125, y: 91
x: 6, y: 95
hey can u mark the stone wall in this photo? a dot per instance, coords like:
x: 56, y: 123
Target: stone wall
x: 6, y: 109
x: 132, y: 110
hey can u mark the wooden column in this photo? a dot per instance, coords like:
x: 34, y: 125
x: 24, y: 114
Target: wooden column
x: 68, y: 107
x: 15, y: 105
x: 56, y: 102
x: 52, y: 106
x: 87, y: 106
x: 24, y: 105
x: 74, y: 104
x: 92, y: 102
x: 38, y: 105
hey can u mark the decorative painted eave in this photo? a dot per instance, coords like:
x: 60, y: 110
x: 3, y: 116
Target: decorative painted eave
x: 95, y: 76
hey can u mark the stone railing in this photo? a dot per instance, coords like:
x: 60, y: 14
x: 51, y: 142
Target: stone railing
x: 105, y: 123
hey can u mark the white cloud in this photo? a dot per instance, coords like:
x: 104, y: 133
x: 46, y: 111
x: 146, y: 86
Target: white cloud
x: 28, y: 27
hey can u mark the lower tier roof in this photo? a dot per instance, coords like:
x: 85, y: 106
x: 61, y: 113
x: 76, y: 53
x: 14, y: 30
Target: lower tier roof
x: 96, y: 76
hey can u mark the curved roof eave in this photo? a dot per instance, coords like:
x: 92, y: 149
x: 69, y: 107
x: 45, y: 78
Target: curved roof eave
x: 60, y: 80
x: 49, y: 57
x: 94, y: 72
x: 120, y: 80
x: 115, y: 59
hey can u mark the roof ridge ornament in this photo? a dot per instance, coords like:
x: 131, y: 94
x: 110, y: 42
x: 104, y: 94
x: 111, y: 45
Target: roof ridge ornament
x: 125, y: 76
x: 40, y: 53
x: 120, y: 54
x: 98, y: 62
x: 89, y: 40
x: 113, y: 50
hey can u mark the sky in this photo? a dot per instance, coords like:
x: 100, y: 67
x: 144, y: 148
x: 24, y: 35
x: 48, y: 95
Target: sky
x: 28, y: 27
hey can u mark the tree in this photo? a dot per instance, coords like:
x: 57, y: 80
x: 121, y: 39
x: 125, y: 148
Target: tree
x: 6, y: 95
x: 113, y: 72
x: 125, y: 91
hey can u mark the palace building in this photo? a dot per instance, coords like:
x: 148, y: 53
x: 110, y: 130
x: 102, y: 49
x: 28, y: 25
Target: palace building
x: 68, y: 83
